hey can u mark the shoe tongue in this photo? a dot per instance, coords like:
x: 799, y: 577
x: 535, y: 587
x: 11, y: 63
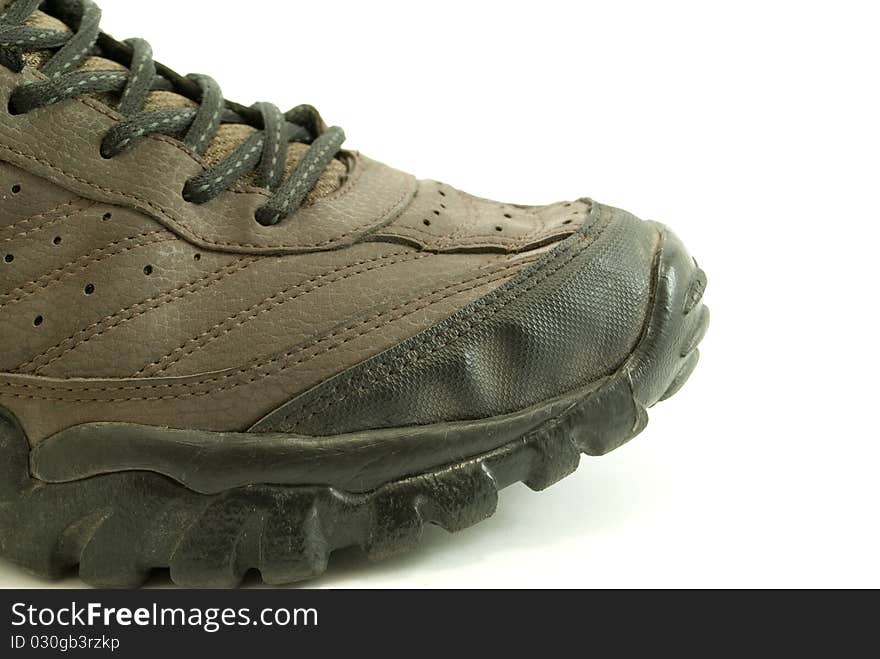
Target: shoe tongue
x: 229, y: 136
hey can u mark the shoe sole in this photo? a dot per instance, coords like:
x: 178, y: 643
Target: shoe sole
x: 116, y: 528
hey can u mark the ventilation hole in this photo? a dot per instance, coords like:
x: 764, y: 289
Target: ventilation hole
x: 9, y: 258
x: 89, y: 289
x: 437, y: 213
x: 16, y: 188
x: 108, y: 217
x: 148, y: 270
x: 567, y: 222
x: 499, y: 229
x: 197, y: 257
x: 442, y: 194
x: 38, y: 321
x: 56, y: 240
x: 568, y: 205
x: 508, y: 216
x: 427, y: 223
x: 443, y: 206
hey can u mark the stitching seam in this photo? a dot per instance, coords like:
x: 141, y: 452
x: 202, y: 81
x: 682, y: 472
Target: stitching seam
x: 431, y: 344
x: 581, y: 237
x: 184, y: 229
x: 82, y: 263
x: 43, y: 360
x: 199, y: 342
x: 483, y: 280
x: 77, y: 206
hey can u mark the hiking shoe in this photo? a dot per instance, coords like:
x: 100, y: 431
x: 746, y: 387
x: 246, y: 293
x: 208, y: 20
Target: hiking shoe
x: 229, y: 344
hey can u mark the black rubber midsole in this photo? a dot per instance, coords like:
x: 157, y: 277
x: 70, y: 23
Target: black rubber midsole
x: 210, y: 462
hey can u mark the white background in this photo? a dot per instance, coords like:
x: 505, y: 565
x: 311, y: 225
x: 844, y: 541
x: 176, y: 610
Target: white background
x: 751, y: 128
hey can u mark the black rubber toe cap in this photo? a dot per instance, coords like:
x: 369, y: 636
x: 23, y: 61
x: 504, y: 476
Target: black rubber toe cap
x: 571, y: 319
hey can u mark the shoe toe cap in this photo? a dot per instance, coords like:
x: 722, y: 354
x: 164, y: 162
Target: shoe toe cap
x: 569, y: 320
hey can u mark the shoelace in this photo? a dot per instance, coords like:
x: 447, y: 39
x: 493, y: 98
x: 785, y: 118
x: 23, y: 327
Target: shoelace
x: 264, y: 153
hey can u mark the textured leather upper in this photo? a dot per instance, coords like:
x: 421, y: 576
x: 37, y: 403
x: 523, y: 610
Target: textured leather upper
x: 120, y: 301
x: 441, y: 218
x: 62, y: 143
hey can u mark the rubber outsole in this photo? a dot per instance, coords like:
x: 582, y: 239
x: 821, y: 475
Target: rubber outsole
x: 117, y: 528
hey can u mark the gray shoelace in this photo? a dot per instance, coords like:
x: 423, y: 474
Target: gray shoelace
x: 264, y: 153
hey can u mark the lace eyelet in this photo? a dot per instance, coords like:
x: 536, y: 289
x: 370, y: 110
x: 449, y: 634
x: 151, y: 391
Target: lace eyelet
x: 266, y: 218
x: 186, y: 195
x: 11, y: 109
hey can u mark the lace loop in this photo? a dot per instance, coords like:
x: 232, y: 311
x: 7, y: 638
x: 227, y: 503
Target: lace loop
x: 210, y: 115
x: 142, y: 73
x: 264, y: 153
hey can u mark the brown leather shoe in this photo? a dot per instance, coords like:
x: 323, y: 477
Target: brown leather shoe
x: 229, y: 344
